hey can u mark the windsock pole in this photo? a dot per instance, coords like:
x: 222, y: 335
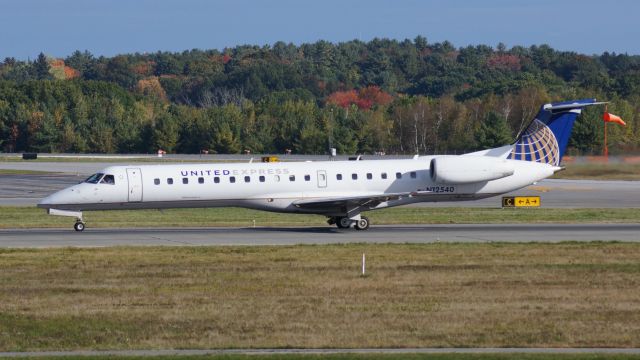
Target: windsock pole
x: 606, y: 149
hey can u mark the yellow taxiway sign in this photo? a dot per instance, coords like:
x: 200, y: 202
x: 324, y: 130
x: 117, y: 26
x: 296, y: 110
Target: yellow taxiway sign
x: 520, y: 201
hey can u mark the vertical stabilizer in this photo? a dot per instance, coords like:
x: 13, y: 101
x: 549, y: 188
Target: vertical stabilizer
x: 546, y: 138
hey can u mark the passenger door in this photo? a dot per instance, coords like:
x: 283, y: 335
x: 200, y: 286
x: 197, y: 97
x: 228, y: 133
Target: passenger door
x: 322, y: 179
x: 134, y: 176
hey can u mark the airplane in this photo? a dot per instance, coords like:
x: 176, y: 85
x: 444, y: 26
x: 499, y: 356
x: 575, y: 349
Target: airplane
x: 339, y: 190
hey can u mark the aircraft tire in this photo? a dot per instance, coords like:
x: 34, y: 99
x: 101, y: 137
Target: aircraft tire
x: 343, y: 222
x: 363, y: 223
x: 79, y: 226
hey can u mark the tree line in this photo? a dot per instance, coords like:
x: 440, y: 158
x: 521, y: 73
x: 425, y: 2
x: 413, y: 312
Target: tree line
x: 383, y: 96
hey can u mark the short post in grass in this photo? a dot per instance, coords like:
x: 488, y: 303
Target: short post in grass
x: 364, y: 262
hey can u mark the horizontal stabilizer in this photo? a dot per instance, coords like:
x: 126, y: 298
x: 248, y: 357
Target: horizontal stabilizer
x: 576, y: 105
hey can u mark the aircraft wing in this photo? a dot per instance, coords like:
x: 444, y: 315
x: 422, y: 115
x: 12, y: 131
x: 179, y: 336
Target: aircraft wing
x: 350, y: 202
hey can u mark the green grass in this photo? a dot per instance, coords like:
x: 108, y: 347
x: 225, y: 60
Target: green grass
x: 372, y: 356
x: 24, y: 172
x: 415, y: 295
x: 31, y: 217
x: 607, y: 171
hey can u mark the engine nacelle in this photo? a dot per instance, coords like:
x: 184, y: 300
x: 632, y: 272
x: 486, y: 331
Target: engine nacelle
x: 468, y: 169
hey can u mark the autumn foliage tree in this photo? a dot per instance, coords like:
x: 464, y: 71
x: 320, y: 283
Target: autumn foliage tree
x: 384, y: 95
x: 364, y: 98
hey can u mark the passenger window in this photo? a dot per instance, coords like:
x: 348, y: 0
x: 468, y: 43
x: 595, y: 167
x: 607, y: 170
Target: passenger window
x: 261, y: 178
x: 232, y: 179
x: 354, y: 176
x: 413, y: 174
x: 307, y: 178
x: 398, y: 175
x: 170, y: 181
x: 216, y: 180
x: 200, y: 180
x: 156, y: 181
x: 383, y: 175
x: 247, y: 179
x: 369, y: 176
x: 292, y: 178
x: 108, y: 179
x: 185, y: 180
x: 338, y: 176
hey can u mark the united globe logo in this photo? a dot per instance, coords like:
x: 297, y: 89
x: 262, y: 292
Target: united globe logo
x: 537, y: 143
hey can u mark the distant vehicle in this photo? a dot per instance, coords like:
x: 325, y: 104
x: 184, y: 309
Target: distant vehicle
x: 340, y: 190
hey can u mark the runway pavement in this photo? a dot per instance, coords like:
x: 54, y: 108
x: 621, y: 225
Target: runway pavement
x: 34, y: 238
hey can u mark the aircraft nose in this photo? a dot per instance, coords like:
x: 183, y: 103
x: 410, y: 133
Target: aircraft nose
x: 61, y: 197
x: 50, y: 200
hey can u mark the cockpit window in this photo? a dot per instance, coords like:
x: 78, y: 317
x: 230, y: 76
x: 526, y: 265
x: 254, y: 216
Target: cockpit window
x: 93, y: 179
x: 108, y: 179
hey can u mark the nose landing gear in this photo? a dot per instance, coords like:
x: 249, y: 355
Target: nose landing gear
x: 79, y: 225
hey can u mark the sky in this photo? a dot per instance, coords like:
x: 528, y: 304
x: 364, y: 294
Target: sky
x: 59, y: 27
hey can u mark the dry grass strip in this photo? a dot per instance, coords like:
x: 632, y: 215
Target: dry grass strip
x: 449, y: 295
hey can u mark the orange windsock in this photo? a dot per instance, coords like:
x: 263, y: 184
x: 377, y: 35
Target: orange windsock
x: 608, y: 117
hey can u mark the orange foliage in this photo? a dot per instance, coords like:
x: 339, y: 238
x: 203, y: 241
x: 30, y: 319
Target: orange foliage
x: 71, y: 73
x: 343, y: 98
x: 62, y: 71
x: 365, y: 98
x: 143, y: 68
x: 374, y: 96
x: 504, y: 62
x: 151, y: 86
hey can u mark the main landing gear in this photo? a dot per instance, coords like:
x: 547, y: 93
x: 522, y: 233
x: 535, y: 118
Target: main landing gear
x: 343, y: 222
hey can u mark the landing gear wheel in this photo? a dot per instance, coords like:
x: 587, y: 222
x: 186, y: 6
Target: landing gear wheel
x: 343, y: 222
x: 363, y: 223
x: 79, y: 226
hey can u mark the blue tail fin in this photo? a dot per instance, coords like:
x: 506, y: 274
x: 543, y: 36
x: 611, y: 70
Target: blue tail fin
x: 545, y: 139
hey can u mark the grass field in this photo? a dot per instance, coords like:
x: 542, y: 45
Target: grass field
x: 367, y: 357
x: 435, y: 295
x: 23, y: 172
x: 84, y: 159
x: 607, y: 171
x: 31, y: 217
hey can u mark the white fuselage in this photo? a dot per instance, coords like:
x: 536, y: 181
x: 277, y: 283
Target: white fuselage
x: 278, y: 186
